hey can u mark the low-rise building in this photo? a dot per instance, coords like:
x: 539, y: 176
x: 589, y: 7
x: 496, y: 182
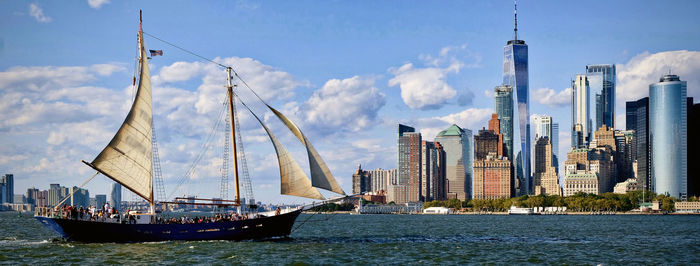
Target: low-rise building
x: 581, y: 181
x: 628, y: 185
x: 688, y: 206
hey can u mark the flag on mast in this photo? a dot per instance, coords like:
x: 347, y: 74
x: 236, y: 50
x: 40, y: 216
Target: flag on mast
x: 156, y: 52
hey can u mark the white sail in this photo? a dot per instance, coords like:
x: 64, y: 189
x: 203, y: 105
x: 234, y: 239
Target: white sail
x: 294, y: 181
x: 127, y: 159
x: 321, y: 176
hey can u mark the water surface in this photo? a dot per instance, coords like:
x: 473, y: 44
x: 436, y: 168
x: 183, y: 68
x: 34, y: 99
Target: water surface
x: 393, y: 239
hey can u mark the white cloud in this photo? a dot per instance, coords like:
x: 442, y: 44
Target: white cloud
x: 350, y: 103
x: 427, y: 88
x: 107, y: 69
x: 96, y: 4
x: 38, y: 13
x: 551, y: 98
x: 634, y: 77
x: 424, y: 88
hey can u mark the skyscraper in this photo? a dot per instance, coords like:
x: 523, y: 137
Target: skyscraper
x: 407, y: 188
x: 637, y: 119
x: 503, y: 100
x: 431, y: 176
x: 115, y: 198
x: 580, y: 112
x: 515, y: 74
x: 8, y: 186
x: 546, y: 178
x: 456, y: 142
x: 601, y: 79
x: 545, y: 127
x: 668, y: 117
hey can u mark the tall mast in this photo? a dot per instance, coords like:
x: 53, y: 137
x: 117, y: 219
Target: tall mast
x: 152, y: 209
x: 230, y: 85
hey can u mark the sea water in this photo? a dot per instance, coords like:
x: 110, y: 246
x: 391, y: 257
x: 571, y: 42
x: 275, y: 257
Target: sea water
x: 392, y: 239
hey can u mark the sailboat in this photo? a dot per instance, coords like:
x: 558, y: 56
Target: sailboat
x: 128, y: 160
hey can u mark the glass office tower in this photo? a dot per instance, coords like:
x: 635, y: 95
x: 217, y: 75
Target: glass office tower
x: 601, y: 80
x: 668, y: 136
x: 515, y: 74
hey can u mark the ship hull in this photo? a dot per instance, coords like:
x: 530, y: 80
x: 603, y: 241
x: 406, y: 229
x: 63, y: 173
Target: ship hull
x: 88, y: 231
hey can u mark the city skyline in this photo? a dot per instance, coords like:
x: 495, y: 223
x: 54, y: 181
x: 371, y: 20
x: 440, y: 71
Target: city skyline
x: 446, y: 77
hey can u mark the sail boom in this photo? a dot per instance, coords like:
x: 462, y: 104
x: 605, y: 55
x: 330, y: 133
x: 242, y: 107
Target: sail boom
x: 116, y: 180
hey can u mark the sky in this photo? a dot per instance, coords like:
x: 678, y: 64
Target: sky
x: 346, y: 71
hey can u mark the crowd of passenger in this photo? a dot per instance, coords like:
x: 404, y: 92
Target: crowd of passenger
x: 219, y: 217
x: 108, y: 213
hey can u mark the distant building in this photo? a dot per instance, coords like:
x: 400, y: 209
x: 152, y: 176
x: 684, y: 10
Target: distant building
x: 100, y: 200
x: 115, y: 197
x: 637, y: 119
x: 601, y: 80
x: 668, y: 129
x: 7, y: 188
x: 516, y: 74
x: 361, y: 181
x: 492, y: 171
x: 31, y: 195
x: 626, y: 186
x: 546, y: 177
x: 457, y: 144
x: 545, y: 127
x: 380, y: 178
x: 492, y: 178
x: 20, y: 199
x: 580, y: 112
x: 42, y: 199
x: 592, y: 161
x: 408, y: 184
x: 693, y: 147
x: 432, y: 176
x: 581, y: 181
x: 57, y: 194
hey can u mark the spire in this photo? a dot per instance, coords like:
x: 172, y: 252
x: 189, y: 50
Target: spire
x: 515, y: 30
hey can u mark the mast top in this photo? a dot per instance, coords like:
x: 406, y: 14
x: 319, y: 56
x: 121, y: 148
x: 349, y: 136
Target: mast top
x: 515, y: 30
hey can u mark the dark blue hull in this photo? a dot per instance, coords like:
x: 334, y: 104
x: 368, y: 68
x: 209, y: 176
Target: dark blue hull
x: 87, y: 231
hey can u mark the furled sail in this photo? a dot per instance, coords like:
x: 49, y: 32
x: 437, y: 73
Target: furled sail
x: 127, y: 159
x: 294, y: 181
x: 321, y: 176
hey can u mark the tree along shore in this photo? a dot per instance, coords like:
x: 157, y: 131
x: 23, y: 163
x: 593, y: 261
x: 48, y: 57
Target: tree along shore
x: 580, y: 202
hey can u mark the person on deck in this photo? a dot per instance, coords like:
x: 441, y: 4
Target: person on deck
x: 278, y: 211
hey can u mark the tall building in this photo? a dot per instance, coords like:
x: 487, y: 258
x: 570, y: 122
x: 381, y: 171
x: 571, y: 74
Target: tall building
x: 693, y: 145
x: 668, y: 117
x: 503, y: 100
x: 7, y: 188
x: 438, y: 185
x: 456, y: 142
x: 601, y: 80
x: 546, y: 178
x: 57, y: 194
x: 492, y: 171
x: 580, y: 112
x: 361, y: 181
x: 100, y: 200
x: 432, y: 177
x: 380, y: 178
x: 515, y: 74
x: 80, y: 197
x: 408, y: 184
x: 545, y: 127
x: 32, y: 195
x: 115, y: 198
x: 637, y: 119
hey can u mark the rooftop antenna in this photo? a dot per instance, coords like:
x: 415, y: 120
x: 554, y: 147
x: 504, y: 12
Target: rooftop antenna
x: 516, y: 20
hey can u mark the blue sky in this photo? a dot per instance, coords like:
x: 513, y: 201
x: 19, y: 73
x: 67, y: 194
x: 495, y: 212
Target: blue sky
x: 347, y: 71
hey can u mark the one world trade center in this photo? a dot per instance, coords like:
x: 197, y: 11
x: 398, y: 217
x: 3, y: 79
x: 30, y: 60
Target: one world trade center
x: 515, y: 74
